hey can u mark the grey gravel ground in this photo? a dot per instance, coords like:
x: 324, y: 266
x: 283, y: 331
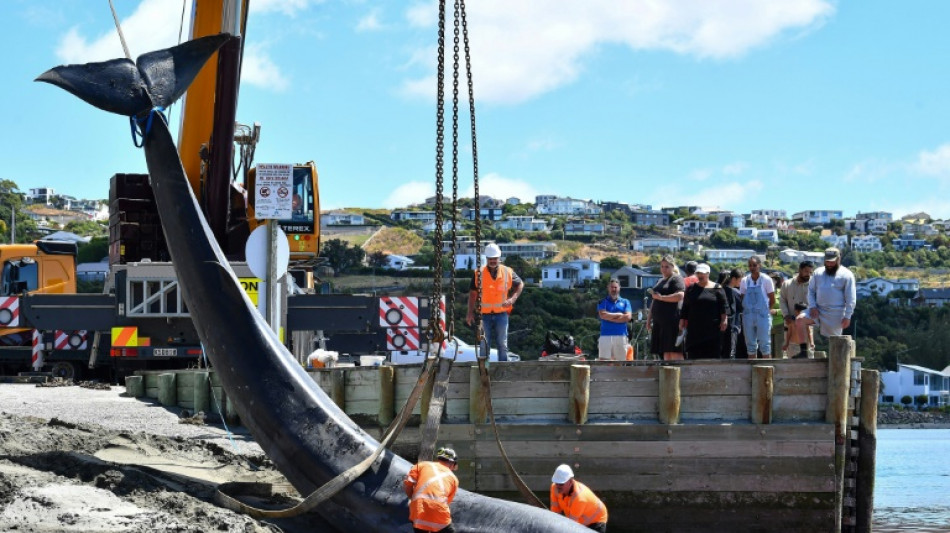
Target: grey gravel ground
x: 112, y: 410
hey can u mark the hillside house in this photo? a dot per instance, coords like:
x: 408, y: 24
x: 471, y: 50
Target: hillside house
x: 866, y: 243
x: 584, y: 227
x: 559, y: 276
x: 795, y: 256
x: 522, y: 223
x: 650, y: 218
x: 919, y: 229
x: 567, y: 206
x: 699, y: 228
x: 485, y: 213
x: 532, y: 251
x: 636, y: 278
x: 907, y: 242
x: 653, y: 245
x: 342, y: 218
x: 875, y: 215
x: 913, y: 381
x: 417, y: 216
x: 729, y: 256
x: 838, y: 241
x: 883, y: 287
x: 932, y: 297
x: 398, y: 262
x: 767, y: 216
x: 817, y: 217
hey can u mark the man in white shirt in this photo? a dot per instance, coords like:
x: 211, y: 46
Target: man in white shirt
x: 831, y: 298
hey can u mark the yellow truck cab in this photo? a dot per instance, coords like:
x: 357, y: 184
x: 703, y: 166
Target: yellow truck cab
x: 41, y: 267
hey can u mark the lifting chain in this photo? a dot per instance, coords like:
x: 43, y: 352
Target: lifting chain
x: 436, y: 336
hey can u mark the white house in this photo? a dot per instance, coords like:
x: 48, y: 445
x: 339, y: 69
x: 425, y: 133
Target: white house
x: 656, y: 244
x: 866, y: 243
x: 747, y: 233
x: 932, y: 297
x: 729, y: 256
x: 883, y: 287
x: 875, y: 215
x: 770, y: 235
x: 817, y: 216
x: 528, y: 250
x: 419, y: 216
x: 587, y: 269
x: 567, y: 206
x: 398, y: 262
x: 838, y: 241
x: 918, y: 229
x: 913, y: 381
x: 342, y: 218
x: 584, y: 227
x: 795, y: 256
x: 559, y: 276
x: 767, y: 216
x: 522, y: 223
x: 41, y: 195
x: 485, y: 213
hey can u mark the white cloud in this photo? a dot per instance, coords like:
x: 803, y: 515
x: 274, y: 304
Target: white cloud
x: 734, y: 169
x: 258, y: 69
x: 413, y: 192
x: 934, y: 163
x: 498, y: 186
x: 700, y: 174
x: 727, y: 195
x: 151, y: 26
x: 370, y: 22
x: 523, y: 49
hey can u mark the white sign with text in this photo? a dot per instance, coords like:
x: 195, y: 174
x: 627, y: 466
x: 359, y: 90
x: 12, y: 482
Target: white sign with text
x: 273, y: 191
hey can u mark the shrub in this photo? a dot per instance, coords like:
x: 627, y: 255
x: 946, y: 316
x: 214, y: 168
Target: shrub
x: 906, y: 400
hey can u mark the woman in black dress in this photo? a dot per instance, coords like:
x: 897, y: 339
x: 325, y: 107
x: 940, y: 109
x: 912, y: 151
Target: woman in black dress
x: 704, y: 316
x: 663, y: 317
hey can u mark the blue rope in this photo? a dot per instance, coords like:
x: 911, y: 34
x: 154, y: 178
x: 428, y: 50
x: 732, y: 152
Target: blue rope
x: 140, y: 130
x: 204, y: 355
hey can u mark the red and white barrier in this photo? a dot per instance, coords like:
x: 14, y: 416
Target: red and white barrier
x: 37, y: 358
x: 9, y: 311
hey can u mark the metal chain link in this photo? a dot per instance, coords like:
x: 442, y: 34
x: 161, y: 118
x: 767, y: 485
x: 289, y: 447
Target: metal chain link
x: 478, y: 207
x: 450, y: 304
x: 435, y: 332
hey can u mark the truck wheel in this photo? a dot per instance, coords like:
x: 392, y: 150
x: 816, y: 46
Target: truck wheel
x: 65, y: 370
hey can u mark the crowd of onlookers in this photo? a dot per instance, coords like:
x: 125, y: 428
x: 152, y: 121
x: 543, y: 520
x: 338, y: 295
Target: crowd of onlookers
x: 740, y: 315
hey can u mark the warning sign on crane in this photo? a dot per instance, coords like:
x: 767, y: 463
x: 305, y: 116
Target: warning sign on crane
x: 273, y: 198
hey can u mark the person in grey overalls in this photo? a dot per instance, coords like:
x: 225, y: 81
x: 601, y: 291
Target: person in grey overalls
x: 758, y: 297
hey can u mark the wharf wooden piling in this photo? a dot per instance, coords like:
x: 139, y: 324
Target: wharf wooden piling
x: 477, y: 408
x: 167, y: 390
x: 867, y: 450
x: 387, y: 395
x: 762, y: 394
x: 839, y: 384
x: 135, y: 386
x: 580, y: 393
x: 669, y: 404
x: 338, y: 387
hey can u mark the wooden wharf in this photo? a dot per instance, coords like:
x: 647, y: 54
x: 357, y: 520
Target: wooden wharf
x: 704, y: 445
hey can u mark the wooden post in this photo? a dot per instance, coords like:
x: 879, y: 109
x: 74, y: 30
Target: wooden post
x: 839, y: 385
x: 202, y: 393
x: 135, y: 386
x: 338, y: 387
x: 477, y: 408
x: 387, y: 395
x: 762, y: 379
x: 669, y: 404
x: 167, y: 390
x: 867, y: 450
x: 579, y: 394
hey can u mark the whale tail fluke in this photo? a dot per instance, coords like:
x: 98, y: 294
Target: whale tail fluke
x: 120, y: 86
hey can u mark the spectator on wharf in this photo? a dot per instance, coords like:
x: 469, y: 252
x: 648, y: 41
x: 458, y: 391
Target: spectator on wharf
x: 831, y: 299
x: 614, y: 313
x: 730, y: 281
x: 664, y: 314
x: 795, y: 293
x: 779, y: 335
x: 704, y: 316
x: 758, y: 296
x: 690, y: 269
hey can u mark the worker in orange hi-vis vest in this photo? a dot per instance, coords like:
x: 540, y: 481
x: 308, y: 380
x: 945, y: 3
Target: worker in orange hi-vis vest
x: 431, y: 486
x: 501, y: 287
x: 574, y: 500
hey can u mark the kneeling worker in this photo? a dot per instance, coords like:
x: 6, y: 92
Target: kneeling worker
x: 574, y: 500
x: 431, y: 486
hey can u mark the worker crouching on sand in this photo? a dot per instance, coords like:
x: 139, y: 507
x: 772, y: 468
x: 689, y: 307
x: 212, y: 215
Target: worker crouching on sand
x: 431, y: 486
x: 574, y: 500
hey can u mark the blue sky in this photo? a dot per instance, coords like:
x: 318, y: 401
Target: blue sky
x: 740, y: 104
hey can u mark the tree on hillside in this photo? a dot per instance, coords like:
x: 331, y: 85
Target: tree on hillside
x: 378, y: 259
x: 11, y: 200
x: 612, y: 262
x: 93, y: 251
x: 341, y: 255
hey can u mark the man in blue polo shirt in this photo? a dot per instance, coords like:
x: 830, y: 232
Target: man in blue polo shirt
x: 614, y: 313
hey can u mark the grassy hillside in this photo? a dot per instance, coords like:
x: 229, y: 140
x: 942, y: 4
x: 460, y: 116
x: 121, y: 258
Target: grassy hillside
x: 394, y: 241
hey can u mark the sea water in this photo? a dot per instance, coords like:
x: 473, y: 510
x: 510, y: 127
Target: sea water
x: 912, y: 482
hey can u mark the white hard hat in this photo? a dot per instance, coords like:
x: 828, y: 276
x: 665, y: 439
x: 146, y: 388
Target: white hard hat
x: 562, y: 474
x: 492, y: 251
